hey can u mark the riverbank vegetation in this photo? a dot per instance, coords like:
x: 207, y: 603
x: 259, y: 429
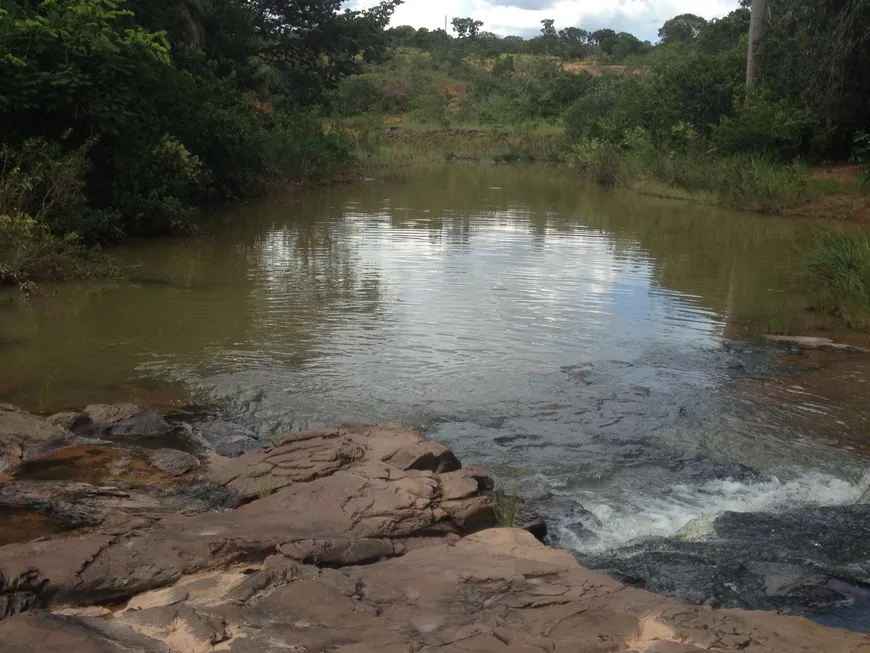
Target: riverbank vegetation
x: 675, y: 118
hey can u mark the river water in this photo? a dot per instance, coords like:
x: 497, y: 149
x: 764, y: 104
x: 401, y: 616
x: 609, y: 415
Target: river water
x: 598, y: 350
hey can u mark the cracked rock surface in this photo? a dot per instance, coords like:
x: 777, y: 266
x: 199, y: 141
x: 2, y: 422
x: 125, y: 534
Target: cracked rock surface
x: 356, y: 539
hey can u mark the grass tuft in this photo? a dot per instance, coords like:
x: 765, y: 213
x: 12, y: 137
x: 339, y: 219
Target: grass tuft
x: 506, y: 508
x: 838, y: 274
x: 267, y: 489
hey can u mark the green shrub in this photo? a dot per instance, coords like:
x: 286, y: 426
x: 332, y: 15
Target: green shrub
x: 764, y: 126
x: 44, y: 179
x: 358, y: 94
x: 30, y: 252
x: 299, y: 149
x: 588, y: 119
x: 430, y: 105
x: 601, y: 161
x: 759, y: 184
x: 503, y: 66
x: 127, y: 121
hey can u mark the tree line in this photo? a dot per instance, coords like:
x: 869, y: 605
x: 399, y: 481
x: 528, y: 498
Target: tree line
x: 802, y: 91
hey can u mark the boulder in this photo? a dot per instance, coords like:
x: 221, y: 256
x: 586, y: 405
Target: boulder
x: 73, y: 421
x: 126, y: 420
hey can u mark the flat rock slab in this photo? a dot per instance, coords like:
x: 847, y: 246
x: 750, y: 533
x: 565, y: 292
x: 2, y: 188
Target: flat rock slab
x: 40, y: 632
x: 496, y: 591
x: 363, y: 514
x: 317, y: 453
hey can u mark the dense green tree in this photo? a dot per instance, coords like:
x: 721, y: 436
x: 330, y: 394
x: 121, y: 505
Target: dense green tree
x: 605, y: 39
x: 726, y: 33
x: 548, y: 29
x: 175, y: 101
x: 683, y: 28
x: 466, y: 28
x: 831, y: 77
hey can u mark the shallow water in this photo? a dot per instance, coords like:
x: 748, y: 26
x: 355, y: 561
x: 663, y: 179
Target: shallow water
x: 592, y: 347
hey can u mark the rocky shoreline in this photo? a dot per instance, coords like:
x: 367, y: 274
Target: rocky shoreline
x: 127, y: 531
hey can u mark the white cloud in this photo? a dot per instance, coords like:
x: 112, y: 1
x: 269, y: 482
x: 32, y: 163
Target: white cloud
x: 640, y: 17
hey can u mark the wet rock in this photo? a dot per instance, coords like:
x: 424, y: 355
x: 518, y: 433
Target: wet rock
x: 173, y: 462
x: 810, y: 342
x: 226, y: 438
x: 21, y: 524
x: 529, y: 519
x: 24, y: 437
x: 69, y: 505
x: 87, y: 485
x: 126, y: 420
x: 487, y: 162
x: 731, y: 560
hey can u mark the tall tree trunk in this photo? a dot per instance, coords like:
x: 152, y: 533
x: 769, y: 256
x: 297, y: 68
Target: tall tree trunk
x: 756, y: 29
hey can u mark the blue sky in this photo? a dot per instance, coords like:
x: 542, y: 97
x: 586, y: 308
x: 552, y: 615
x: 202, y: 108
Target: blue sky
x: 640, y: 17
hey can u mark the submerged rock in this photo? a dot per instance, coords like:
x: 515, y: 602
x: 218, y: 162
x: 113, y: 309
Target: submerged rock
x: 227, y: 438
x: 811, y: 342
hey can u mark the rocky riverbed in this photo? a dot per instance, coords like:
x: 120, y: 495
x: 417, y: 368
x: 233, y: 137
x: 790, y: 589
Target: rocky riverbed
x: 127, y: 531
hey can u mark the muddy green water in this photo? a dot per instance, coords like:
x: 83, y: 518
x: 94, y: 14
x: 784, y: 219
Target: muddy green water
x: 589, y: 345
x: 416, y: 290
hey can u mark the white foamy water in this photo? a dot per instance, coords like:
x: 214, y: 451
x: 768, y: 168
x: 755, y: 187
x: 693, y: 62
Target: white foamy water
x: 688, y: 512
